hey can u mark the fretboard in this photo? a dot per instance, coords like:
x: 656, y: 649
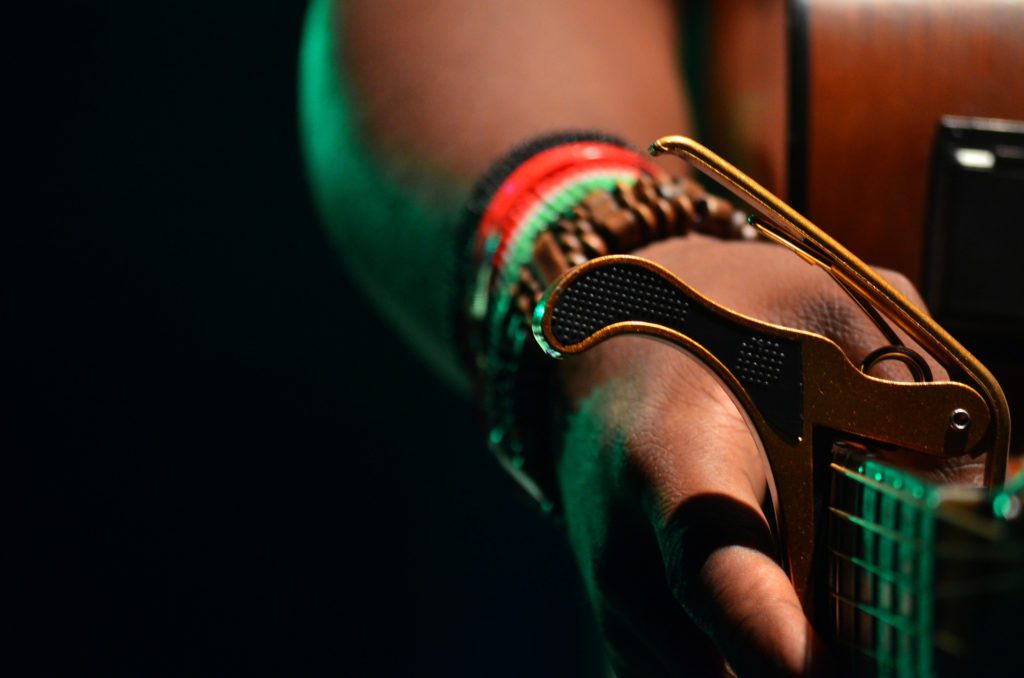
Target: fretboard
x: 917, y: 572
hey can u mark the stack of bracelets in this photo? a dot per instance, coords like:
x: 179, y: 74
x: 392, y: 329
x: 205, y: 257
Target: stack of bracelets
x: 547, y: 206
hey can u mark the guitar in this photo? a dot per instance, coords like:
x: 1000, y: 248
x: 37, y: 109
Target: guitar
x: 923, y: 579
x: 905, y: 577
x: 834, y: 106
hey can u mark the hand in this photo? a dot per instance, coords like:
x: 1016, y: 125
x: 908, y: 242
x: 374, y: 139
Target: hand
x: 663, y: 485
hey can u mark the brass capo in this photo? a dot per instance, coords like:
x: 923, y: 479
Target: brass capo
x: 871, y: 292
x: 791, y: 385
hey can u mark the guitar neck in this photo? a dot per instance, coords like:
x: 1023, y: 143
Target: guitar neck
x: 923, y: 579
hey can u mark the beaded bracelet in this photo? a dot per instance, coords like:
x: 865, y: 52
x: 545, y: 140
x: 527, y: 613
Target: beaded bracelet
x: 573, y: 198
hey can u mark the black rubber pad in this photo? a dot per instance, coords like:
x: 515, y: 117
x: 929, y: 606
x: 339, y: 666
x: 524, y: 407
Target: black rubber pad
x: 769, y: 366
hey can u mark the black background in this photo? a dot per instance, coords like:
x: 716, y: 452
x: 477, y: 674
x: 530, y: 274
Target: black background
x: 221, y: 461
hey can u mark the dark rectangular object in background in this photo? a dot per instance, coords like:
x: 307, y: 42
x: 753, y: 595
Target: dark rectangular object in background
x: 974, y: 235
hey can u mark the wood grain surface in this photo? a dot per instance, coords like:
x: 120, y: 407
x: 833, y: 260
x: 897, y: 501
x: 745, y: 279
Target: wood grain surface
x: 882, y: 73
x: 879, y: 76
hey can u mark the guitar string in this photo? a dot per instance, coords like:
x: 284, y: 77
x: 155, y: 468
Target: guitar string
x: 878, y: 485
x: 893, y: 544
x: 902, y: 625
x: 891, y: 576
x: 948, y: 642
x: 898, y: 620
x: 1007, y: 581
x: 874, y: 527
x: 895, y: 619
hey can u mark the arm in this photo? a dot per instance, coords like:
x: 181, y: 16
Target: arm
x: 662, y: 484
x: 405, y: 104
x: 424, y: 96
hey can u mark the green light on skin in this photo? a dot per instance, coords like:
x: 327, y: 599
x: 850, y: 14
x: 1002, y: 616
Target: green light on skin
x: 352, y: 183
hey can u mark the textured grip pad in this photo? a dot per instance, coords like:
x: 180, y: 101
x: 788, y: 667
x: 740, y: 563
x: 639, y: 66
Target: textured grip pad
x: 614, y: 294
x: 605, y: 294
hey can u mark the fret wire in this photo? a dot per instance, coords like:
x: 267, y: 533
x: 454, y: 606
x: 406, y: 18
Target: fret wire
x: 873, y: 527
x: 878, y: 485
x: 889, y: 575
x: 894, y: 620
x: 890, y: 528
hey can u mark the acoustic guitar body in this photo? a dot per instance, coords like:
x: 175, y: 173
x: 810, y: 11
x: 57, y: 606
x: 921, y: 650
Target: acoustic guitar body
x: 834, y: 104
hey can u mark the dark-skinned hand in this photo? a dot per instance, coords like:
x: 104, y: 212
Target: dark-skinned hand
x: 663, y: 484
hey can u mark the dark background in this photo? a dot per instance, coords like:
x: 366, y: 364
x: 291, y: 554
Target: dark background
x: 221, y: 461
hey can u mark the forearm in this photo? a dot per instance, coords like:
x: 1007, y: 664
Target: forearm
x: 429, y: 93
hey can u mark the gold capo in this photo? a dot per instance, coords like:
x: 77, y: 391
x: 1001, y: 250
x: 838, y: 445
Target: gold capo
x: 967, y: 414
x: 786, y: 226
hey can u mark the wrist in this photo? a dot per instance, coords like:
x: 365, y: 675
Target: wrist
x: 559, y: 206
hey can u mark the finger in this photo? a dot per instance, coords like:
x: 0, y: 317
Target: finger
x: 719, y: 551
x: 645, y: 631
x: 720, y: 559
x: 754, y: 615
x: 702, y: 449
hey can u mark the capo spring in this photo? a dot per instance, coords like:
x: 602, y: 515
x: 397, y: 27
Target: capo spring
x: 914, y: 362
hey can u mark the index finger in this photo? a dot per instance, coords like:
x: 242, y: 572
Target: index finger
x: 707, y: 486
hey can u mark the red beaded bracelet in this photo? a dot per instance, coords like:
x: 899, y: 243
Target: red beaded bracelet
x: 523, y: 183
x: 558, y: 207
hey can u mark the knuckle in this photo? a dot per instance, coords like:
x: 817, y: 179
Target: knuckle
x: 826, y: 310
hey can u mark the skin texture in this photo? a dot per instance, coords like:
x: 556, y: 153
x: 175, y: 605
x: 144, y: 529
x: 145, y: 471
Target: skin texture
x: 424, y: 95
x: 663, y: 486
x: 659, y: 470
